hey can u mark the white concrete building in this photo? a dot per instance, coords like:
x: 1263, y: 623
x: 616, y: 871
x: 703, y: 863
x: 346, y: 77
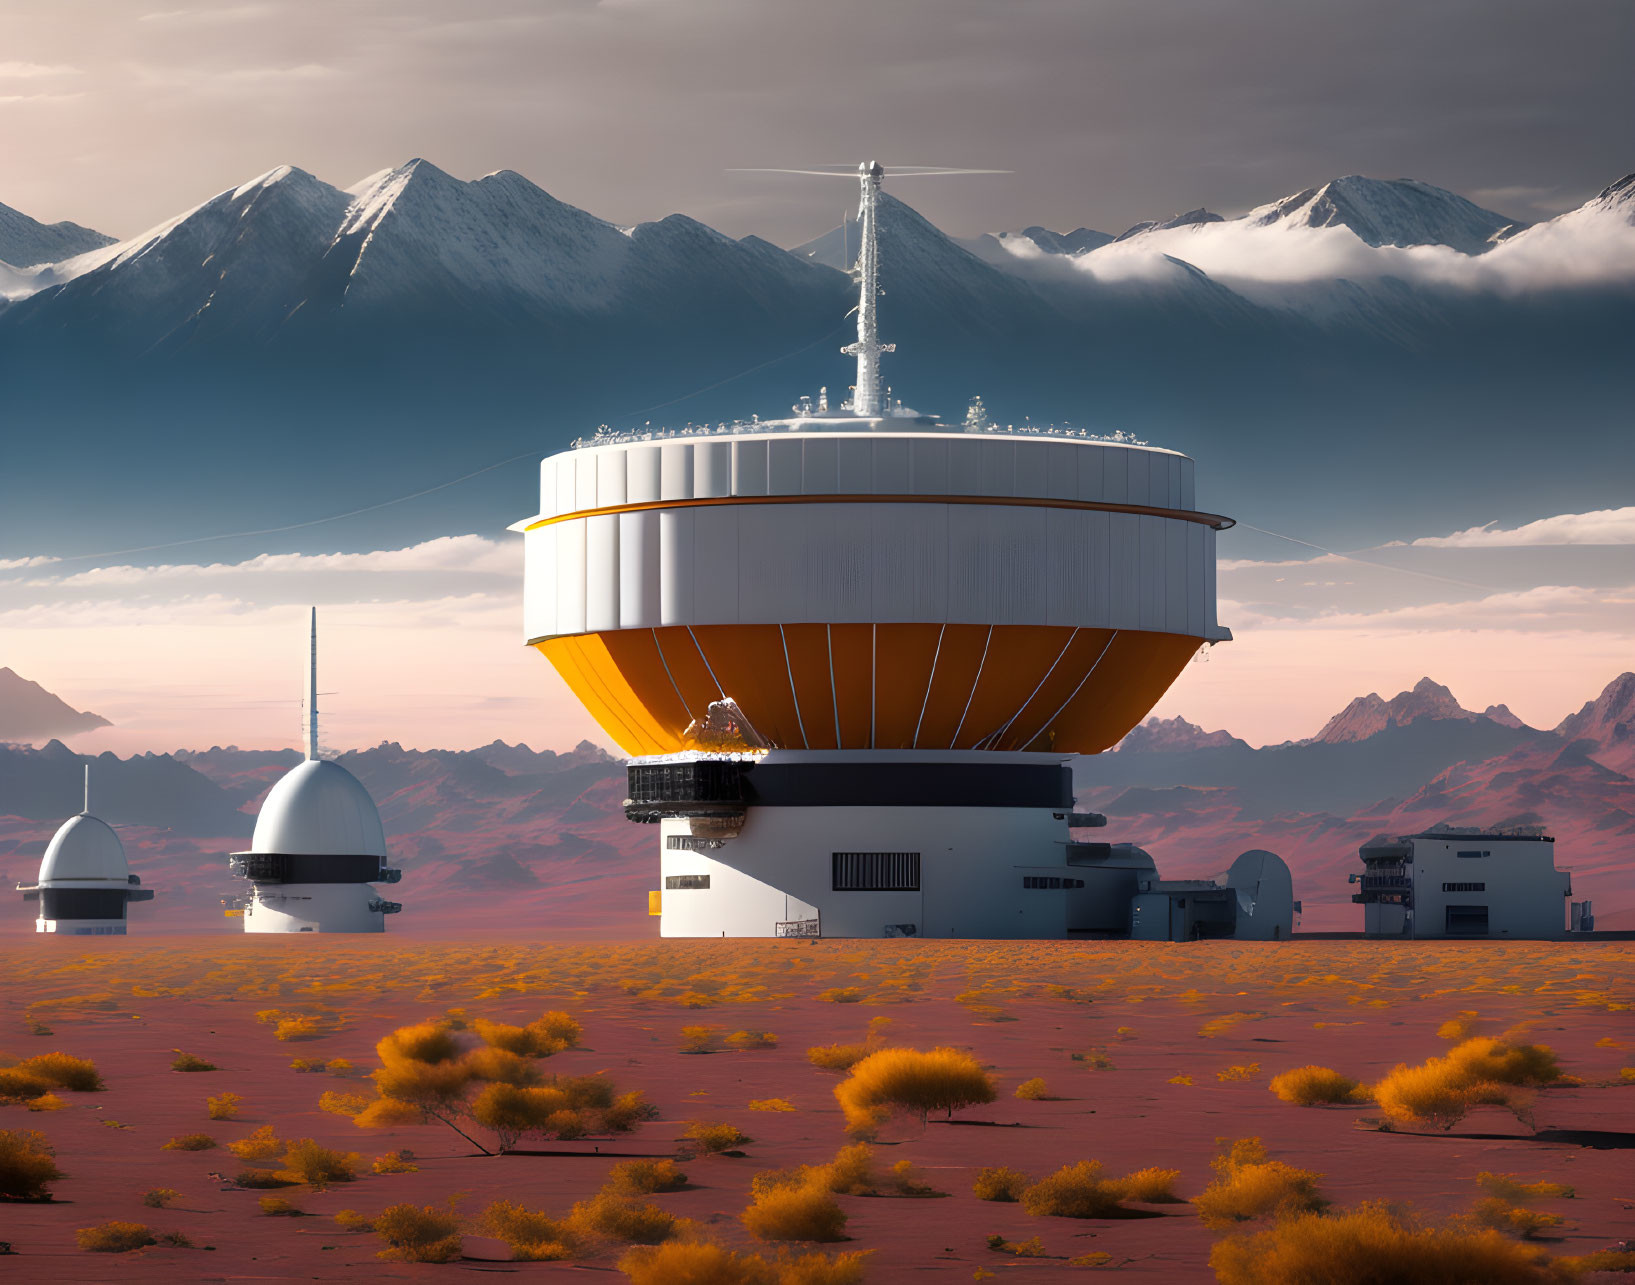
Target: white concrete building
x: 1463, y: 883
x: 84, y: 882
x: 1252, y: 901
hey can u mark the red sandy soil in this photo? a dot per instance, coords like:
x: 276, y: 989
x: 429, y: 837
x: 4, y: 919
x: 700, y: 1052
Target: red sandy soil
x: 1024, y: 1008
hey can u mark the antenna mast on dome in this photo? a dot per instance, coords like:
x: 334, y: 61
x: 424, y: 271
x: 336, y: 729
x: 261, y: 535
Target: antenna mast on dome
x: 867, y: 349
x: 312, y: 692
x: 86, y: 810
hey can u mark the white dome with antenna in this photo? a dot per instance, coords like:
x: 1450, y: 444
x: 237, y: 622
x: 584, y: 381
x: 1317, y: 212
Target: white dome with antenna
x: 85, y: 848
x: 317, y: 809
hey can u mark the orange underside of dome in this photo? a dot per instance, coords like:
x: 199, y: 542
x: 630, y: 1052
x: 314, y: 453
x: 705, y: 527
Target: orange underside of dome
x: 914, y: 686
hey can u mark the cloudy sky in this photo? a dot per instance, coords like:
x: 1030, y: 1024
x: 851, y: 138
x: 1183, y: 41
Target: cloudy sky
x: 118, y: 114
x: 1108, y: 111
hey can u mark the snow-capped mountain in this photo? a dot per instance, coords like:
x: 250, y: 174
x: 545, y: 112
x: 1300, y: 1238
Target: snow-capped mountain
x: 1399, y: 212
x: 1191, y: 219
x: 25, y: 242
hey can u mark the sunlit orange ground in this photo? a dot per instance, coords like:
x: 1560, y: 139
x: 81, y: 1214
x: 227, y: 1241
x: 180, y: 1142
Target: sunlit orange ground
x: 1023, y: 1008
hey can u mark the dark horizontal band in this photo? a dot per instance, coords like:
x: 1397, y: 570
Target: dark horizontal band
x: 1215, y: 520
x: 302, y: 867
x: 82, y: 903
x: 724, y: 787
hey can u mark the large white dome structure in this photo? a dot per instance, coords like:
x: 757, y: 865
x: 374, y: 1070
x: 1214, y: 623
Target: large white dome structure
x: 85, y: 882
x: 851, y: 652
x: 318, y: 845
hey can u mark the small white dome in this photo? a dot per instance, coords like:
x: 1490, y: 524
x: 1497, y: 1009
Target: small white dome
x: 318, y: 808
x: 85, y: 848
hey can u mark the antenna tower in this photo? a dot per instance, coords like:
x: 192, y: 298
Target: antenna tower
x: 312, y: 691
x: 866, y: 396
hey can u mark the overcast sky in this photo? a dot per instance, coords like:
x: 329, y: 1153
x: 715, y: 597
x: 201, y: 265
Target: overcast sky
x: 120, y: 113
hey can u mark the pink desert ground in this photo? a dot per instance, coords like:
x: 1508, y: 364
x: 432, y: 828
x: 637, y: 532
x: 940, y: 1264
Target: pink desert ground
x: 1143, y: 1018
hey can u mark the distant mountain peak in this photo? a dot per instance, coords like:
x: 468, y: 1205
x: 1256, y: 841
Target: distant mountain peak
x: 26, y: 242
x: 1192, y: 218
x: 1174, y: 735
x: 30, y: 713
x: 1398, y: 212
x: 1371, y: 714
x: 1607, y: 723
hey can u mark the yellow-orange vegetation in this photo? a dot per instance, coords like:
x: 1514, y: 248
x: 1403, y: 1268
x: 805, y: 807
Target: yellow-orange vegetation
x: 262, y: 1144
x: 1373, y: 1243
x: 224, y: 1106
x: 943, y: 1079
x: 706, y: 1263
x: 27, y: 1167
x: 530, y: 1235
x: 1309, y: 1086
x: 1248, y: 1185
x: 418, y: 1233
x: 1033, y: 1090
x: 808, y: 1212
x: 114, y: 1237
x: 644, y: 1178
x: 1478, y: 1071
x: 1000, y: 1183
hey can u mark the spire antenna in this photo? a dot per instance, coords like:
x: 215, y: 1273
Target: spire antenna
x: 867, y: 349
x: 312, y: 691
x: 86, y: 810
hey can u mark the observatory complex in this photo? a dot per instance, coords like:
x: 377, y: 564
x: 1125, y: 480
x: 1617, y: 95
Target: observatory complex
x: 317, y: 846
x: 851, y: 652
x: 84, y: 883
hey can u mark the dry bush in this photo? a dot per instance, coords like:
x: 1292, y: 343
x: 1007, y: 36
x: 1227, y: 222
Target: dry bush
x: 352, y: 1220
x: 1605, y: 1260
x: 160, y: 1197
x: 1075, y: 1191
x: 841, y: 995
x: 318, y: 1166
x: 1179, y: 1079
x: 530, y: 1236
x: 338, y: 1066
x: 278, y: 1207
x: 262, y: 1179
x: 395, y: 1162
x: 795, y: 1213
x: 263, y: 1144
x: 1232, y: 1073
x: 17, y: 1084
x: 559, y: 1028
x: 815, y: 1268
x: 419, y: 1042
x: 224, y: 1106
x: 1095, y: 1059
x: 745, y: 1040
x: 1033, y: 1247
x: 190, y: 1142
x: 418, y: 1234
x: 1151, y: 1186
x: 1250, y: 1185
x: 347, y: 1104
x: 188, y: 1062
x: 305, y: 1066
x: 500, y: 1066
x: 644, y: 1178
x: 1458, y: 1028
x: 1500, y: 1215
x: 1000, y: 1183
x: 694, y: 1263
x: 511, y: 1111
x: 1308, y: 1086
x: 711, y: 1138
x: 1033, y: 1090
x: 627, y: 1111
x: 27, y: 1167
x: 78, y: 1074
x: 771, y: 1104
x: 1371, y: 1244
x: 631, y: 1222
x: 944, y: 1079
x: 1478, y: 1071
x: 388, y: 1113
x: 1508, y: 1187
x: 301, y: 1027
x: 175, y: 1239
x: 114, y: 1237
x: 45, y: 1102
x: 837, y: 1057
x: 700, y: 1039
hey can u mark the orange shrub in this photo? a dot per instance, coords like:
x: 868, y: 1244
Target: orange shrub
x: 711, y: 1138
x: 1074, y: 1191
x: 694, y: 1263
x: 224, y: 1106
x: 45, y: 1102
x: 114, y: 1237
x: 1000, y: 1184
x: 348, y: 1104
x: 1249, y: 1185
x: 395, y: 1162
x: 26, y: 1165
x: 1508, y: 1187
x: 1371, y: 1243
x: 771, y: 1104
x: 388, y: 1113
x: 318, y: 1166
x: 841, y: 995
x: 744, y: 1040
x: 190, y: 1142
x: 418, y: 1234
x: 1501, y: 1215
x: 188, y: 1062
x: 795, y: 1213
x: 837, y: 1057
x: 499, y: 1066
x: 644, y: 1178
x: 263, y: 1144
x: 1308, y: 1086
x: 632, y: 1222
x: 63, y: 1070
x: 700, y: 1039
x: 1033, y: 1090
x: 278, y: 1207
x: 1151, y: 1186
x: 944, y: 1079
x: 529, y: 1235
x: 1480, y: 1070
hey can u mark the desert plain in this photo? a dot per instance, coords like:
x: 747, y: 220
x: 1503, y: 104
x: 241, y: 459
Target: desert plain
x: 1150, y: 1055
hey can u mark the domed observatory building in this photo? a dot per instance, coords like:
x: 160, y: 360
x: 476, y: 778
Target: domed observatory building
x: 85, y: 883
x: 851, y: 653
x: 317, y: 848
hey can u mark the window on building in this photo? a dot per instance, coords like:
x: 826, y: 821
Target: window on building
x: 1472, y: 852
x: 689, y: 843
x: 1466, y: 921
x: 876, y: 871
x: 1050, y: 881
x: 686, y: 881
x: 1464, y: 887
